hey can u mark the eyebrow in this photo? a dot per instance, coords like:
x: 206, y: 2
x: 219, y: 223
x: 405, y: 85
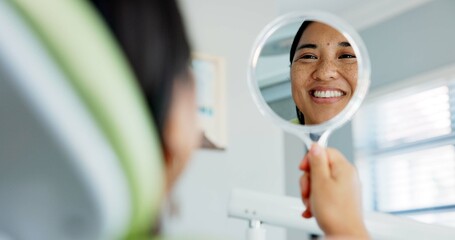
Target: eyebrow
x: 344, y: 44
x: 314, y: 46
x: 307, y: 45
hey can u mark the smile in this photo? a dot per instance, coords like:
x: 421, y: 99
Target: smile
x: 327, y: 93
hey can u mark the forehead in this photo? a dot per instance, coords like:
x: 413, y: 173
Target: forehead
x: 319, y: 33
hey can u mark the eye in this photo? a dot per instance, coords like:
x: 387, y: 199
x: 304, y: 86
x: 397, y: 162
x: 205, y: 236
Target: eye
x: 346, y: 56
x: 307, y: 57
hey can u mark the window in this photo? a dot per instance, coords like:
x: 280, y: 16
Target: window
x: 405, y: 149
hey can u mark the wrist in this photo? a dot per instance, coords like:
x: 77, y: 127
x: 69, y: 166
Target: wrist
x: 353, y: 231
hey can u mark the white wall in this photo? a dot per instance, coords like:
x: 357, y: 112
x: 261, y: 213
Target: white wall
x: 254, y: 155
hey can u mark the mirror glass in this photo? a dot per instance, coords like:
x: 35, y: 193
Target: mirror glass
x: 307, y: 74
x: 309, y: 71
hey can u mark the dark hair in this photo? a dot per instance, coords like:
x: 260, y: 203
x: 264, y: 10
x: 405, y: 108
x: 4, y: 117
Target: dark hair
x: 294, y: 45
x: 153, y: 38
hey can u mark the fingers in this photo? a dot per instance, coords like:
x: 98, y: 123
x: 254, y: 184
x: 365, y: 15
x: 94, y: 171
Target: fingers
x: 305, y: 185
x: 319, y: 162
x: 305, y: 164
x: 307, y: 213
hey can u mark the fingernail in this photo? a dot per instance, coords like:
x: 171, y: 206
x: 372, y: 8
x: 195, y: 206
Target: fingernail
x: 301, y: 165
x: 306, y: 214
x: 315, y: 149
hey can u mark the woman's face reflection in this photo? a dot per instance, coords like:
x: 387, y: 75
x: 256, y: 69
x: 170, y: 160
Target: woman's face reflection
x: 323, y: 73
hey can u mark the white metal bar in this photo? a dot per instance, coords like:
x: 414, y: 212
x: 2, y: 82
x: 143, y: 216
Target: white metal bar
x: 286, y: 212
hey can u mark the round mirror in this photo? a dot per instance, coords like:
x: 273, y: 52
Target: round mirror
x: 309, y: 72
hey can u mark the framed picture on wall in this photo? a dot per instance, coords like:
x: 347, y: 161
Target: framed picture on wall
x: 210, y: 87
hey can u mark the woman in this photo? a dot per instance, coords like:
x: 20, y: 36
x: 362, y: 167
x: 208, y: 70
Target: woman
x: 323, y: 72
x: 153, y: 38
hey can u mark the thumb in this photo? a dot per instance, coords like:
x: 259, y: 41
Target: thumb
x: 319, y: 162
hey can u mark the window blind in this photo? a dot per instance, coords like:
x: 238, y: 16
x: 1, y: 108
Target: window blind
x: 405, y: 151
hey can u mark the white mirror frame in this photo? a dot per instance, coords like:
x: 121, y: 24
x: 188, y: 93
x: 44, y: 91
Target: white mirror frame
x: 322, y: 131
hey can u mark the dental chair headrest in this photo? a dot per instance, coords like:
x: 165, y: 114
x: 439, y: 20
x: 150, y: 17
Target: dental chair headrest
x: 79, y: 154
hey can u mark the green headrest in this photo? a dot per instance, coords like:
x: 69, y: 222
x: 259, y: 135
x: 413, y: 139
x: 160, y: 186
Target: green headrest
x: 76, y: 37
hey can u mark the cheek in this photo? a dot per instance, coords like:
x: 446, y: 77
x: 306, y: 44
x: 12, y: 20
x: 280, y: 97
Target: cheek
x: 300, y: 77
x: 350, y: 74
x: 354, y: 78
x: 189, y: 126
x: 183, y: 137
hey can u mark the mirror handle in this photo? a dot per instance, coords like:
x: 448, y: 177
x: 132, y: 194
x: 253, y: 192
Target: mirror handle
x: 321, y: 138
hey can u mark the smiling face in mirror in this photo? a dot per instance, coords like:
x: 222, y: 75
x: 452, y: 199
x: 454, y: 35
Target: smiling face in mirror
x: 306, y: 70
x: 323, y: 72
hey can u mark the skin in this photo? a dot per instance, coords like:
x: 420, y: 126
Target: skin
x: 330, y: 190
x: 182, y: 134
x: 324, y: 61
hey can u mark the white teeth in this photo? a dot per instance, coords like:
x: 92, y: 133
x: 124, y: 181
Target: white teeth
x: 327, y: 94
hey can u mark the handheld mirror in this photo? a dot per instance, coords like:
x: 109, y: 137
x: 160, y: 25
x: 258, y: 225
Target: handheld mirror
x: 309, y: 72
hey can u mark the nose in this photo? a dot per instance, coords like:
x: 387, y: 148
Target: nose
x: 326, y: 71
